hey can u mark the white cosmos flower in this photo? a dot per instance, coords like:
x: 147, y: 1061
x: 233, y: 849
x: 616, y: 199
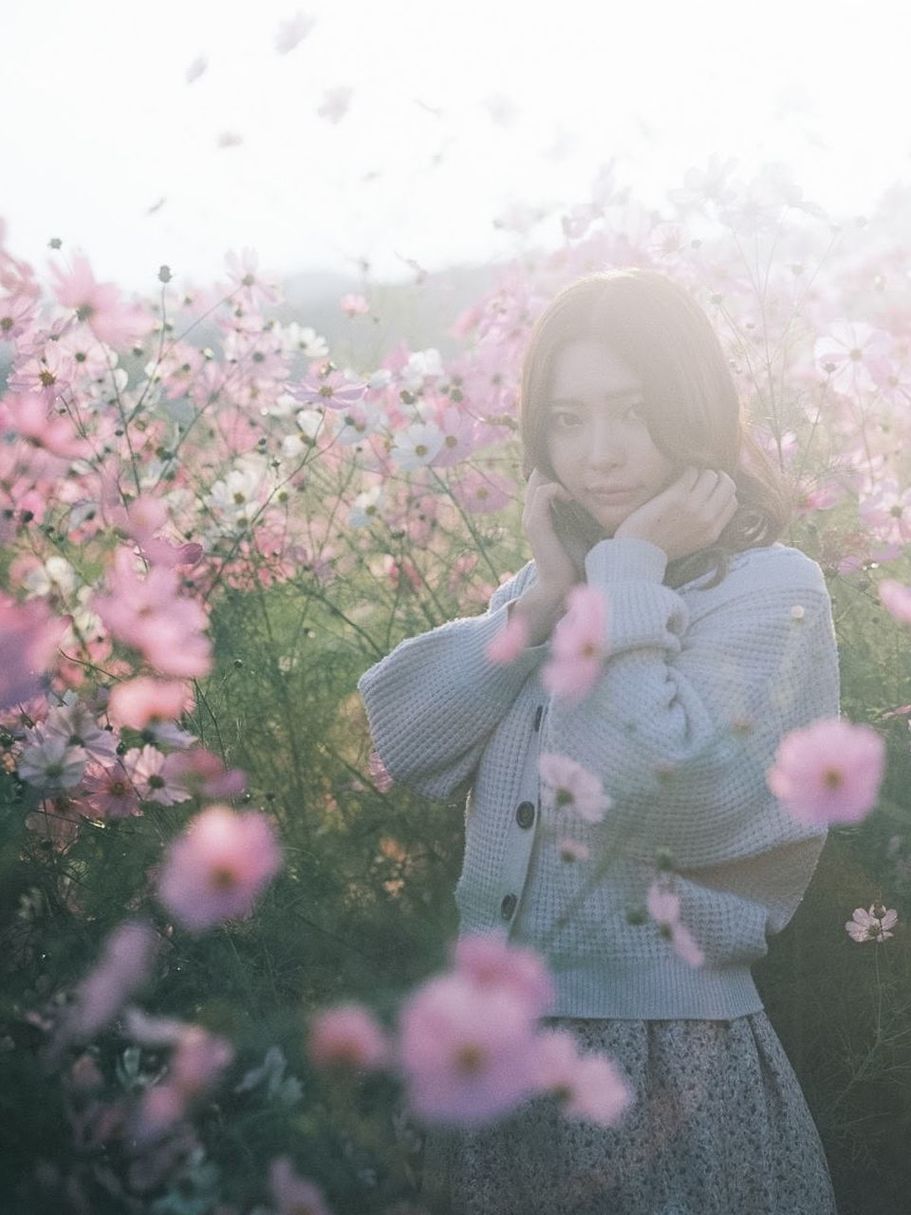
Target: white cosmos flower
x: 421, y: 364
x: 366, y: 507
x: 417, y: 446
x: 55, y: 575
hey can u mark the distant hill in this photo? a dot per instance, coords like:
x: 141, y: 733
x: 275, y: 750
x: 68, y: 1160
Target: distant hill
x: 420, y: 313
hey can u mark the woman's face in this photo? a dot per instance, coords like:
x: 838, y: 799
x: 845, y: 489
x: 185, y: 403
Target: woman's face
x: 597, y: 438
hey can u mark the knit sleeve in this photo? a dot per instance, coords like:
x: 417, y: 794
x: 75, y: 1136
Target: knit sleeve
x: 433, y: 702
x: 686, y: 716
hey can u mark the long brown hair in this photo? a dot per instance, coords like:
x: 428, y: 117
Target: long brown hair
x: 692, y: 408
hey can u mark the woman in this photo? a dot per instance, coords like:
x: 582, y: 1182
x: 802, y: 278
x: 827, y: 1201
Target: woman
x: 643, y: 482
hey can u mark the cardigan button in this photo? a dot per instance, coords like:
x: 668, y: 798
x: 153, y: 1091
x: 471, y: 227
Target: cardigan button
x: 508, y: 906
x: 525, y: 814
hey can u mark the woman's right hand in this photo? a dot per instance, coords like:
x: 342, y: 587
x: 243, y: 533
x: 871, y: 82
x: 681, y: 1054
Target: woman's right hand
x: 556, y: 569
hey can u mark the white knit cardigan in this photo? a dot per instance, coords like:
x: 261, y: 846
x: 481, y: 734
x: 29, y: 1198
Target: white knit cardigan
x: 698, y: 689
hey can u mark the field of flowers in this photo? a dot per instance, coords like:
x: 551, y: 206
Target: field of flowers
x: 229, y: 983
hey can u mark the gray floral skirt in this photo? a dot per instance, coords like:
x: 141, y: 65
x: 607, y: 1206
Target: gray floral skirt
x: 720, y: 1124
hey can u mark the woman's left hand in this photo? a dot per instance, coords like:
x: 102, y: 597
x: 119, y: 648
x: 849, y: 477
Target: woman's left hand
x: 689, y: 515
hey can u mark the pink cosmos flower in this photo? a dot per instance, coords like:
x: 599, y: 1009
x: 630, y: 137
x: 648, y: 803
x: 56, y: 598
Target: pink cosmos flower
x: 26, y: 415
x: 871, y: 925
x: 204, y: 775
x: 108, y: 792
x: 294, y: 1195
x: 50, y: 761
x: 100, y: 305
x: 75, y: 719
x: 572, y: 850
x: 250, y: 287
x: 510, y: 641
x: 480, y: 492
x: 896, y: 599
x: 664, y: 908
x: 856, y: 355
x: 150, y: 614
x: 828, y: 772
x: 578, y: 644
x: 331, y: 390
x: 137, y: 701
x: 197, y: 1061
x: 490, y: 962
x: 464, y: 1051
x: 46, y: 374
x: 886, y: 512
x: 29, y: 637
x: 589, y: 1087
x: 17, y: 314
x: 125, y: 963
x: 348, y: 1036
x: 566, y: 783
x: 354, y: 304
x: 146, y: 768
x: 217, y: 869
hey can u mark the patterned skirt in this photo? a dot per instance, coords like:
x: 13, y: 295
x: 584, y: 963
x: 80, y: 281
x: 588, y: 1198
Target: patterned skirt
x: 719, y: 1125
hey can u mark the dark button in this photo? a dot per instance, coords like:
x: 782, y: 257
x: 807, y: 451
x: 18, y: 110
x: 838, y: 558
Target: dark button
x: 508, y: 906
x: 538, y: 711
x: 525, y: 814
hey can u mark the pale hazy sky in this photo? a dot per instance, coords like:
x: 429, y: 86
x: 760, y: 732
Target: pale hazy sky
x: 99, y: 122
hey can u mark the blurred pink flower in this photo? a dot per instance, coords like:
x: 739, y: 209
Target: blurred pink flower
x: 137, y: 701
x: 872, y: 925
x: 291, y: 32
x: 217, y: 869
x: 510, y: 641
x: 203, y: 774
x: 489, y: 961
x: 664, y: 908
x: 100, y: 305
x: 479, y: 492
x: 464, y: 1051
x: 196, y: 69
x: 347, y: 1035
x: 249, y: 286
x: 150, y: 615
x: 589, y: 1087
x: 335, y: 103
x: 354, y: 304
x: 829, y: 772
x: 578, y: 646
x: 30, y: 417
x: 125, y: 963
x: 295, y: 1195
x: 572, y: 850
x: 886, y: 512
x: 196, y: 1063
x: 856, y: 355
x: 896, y: 599
x: 566, y: 783
x: 29, y: 637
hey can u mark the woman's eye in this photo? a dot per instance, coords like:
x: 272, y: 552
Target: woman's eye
x: 557, y: 414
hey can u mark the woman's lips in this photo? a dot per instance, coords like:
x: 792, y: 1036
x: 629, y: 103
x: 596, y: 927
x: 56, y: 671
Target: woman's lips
x: 613, y: 496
